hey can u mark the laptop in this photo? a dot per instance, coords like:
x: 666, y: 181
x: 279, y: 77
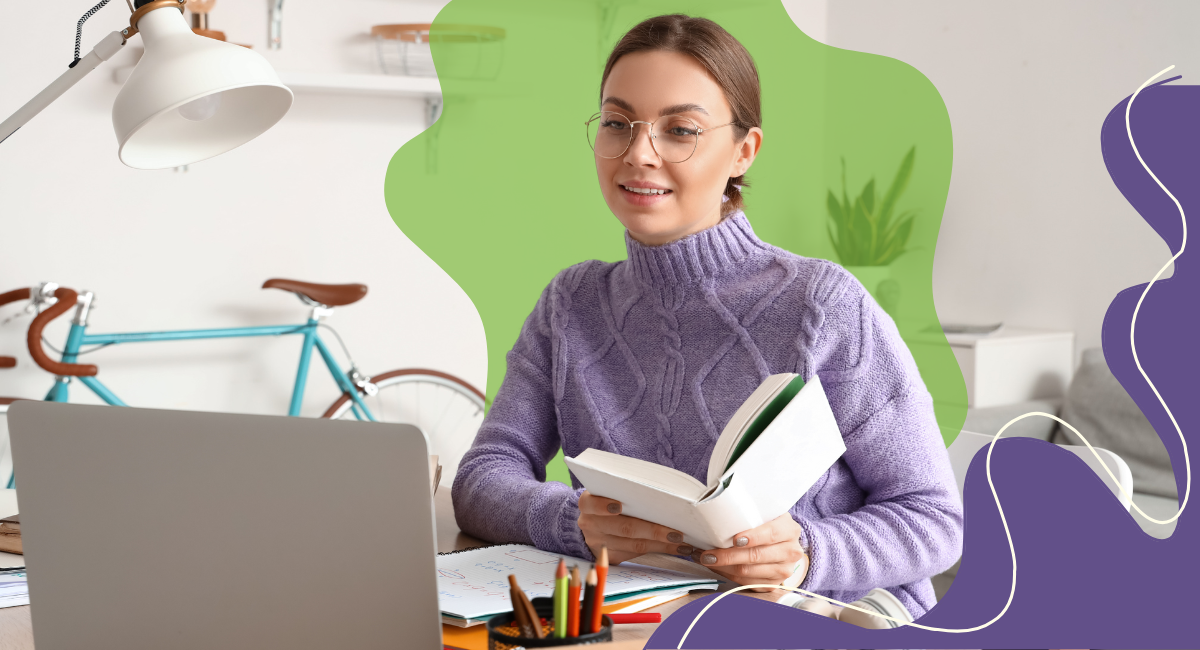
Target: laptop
x: 175, y: 529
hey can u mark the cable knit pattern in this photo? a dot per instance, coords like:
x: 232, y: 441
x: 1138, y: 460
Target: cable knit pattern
x: 650, y: 357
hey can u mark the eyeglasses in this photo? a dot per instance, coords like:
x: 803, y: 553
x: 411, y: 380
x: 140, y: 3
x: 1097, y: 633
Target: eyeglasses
x: 673, y: 137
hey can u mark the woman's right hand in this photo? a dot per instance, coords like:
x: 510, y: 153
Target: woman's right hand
x: 602, y: 524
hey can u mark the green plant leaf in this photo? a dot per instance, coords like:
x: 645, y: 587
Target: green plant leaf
x: 867, y: 233
x: 835, y: 208
x: 897, y: 246
x: 864, y: 231
x: 899, y: 183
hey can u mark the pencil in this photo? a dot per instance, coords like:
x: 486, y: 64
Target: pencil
x: 573, y: 604
x: 530, y: 613
x: 601, y: 577
x: 519, y: 614
x: 589, y: 604
x: 560, y: 600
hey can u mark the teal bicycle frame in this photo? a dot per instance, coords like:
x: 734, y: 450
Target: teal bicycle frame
x: 78, y: 338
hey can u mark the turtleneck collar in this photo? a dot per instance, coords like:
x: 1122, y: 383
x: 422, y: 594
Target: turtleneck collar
x: 696, y: 257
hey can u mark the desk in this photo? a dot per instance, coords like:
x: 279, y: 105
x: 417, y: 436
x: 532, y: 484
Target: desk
x: 17, y: 634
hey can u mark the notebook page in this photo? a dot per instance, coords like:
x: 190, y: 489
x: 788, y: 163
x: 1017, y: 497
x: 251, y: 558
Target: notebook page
x: 474, y: 583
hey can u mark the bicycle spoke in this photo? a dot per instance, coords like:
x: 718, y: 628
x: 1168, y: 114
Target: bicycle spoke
x: 448, y: 411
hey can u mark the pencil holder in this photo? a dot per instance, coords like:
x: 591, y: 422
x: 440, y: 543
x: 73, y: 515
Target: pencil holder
x: 503, y: 635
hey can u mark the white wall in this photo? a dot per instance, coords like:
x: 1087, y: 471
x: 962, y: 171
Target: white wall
x: 1035, y: 233
x: 168, y: 250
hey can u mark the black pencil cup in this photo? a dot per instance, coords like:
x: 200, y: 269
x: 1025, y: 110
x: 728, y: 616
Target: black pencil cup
x: 503, y: 635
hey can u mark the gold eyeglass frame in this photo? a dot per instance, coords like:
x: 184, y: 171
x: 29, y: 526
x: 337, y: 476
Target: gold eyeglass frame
x: 653, y: 136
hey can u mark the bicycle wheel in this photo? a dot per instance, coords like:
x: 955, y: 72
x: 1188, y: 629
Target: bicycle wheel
x: 446, y: 408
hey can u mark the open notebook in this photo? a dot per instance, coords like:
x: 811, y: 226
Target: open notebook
x: 473, y: 584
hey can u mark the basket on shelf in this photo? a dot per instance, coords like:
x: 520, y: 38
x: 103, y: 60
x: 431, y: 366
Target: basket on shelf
x: 474, y: 52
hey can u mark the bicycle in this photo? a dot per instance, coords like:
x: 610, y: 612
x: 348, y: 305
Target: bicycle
x: 419, y: 396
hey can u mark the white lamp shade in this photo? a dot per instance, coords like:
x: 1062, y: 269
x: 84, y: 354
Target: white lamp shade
x: 191, y: 98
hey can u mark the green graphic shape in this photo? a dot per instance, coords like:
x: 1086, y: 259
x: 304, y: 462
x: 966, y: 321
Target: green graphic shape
x: 501, y: 191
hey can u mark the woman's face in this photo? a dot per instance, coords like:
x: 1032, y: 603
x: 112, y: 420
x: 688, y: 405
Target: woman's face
x: 645, y: 86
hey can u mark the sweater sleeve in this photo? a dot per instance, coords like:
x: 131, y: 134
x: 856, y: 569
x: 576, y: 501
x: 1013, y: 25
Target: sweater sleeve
x: 500, y: 492
x: 910, y: 524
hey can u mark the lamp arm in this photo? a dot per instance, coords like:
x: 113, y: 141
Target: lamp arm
x: 104, y: 50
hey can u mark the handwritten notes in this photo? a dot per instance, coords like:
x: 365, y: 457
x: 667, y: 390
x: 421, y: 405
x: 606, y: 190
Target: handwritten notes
x: 474, y: 584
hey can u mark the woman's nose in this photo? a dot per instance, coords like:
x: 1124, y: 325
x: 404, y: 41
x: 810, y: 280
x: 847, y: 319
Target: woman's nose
x: 641, y: 149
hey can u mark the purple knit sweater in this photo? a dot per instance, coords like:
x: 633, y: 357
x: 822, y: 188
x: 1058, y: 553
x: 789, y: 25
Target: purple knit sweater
x: 650, y: 357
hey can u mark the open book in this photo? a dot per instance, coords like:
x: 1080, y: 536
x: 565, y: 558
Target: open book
x: 774, y: 448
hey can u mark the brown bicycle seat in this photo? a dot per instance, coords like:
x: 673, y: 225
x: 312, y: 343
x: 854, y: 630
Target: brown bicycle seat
x: 330, y: 295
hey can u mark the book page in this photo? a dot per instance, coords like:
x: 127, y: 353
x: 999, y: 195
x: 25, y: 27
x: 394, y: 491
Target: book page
x: 795, y: 450
x: 652, y: 475
x: 474, y: 583
x: 746, y: 413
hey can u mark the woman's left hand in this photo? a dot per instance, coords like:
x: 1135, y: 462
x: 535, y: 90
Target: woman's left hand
x: 769, y: 554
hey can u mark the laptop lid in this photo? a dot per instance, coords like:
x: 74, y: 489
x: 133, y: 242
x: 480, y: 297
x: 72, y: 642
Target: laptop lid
x: 175, y: 529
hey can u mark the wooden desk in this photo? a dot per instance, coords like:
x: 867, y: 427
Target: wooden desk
x: 16, y: 632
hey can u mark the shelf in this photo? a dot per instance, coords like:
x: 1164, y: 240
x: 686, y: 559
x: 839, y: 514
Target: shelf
x: 379, y: 85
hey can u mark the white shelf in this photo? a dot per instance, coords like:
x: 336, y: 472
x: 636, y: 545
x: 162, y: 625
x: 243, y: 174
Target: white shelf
x: 380, y: 85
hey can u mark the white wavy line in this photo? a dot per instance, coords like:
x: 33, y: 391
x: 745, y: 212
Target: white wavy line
x: 1012, y: 551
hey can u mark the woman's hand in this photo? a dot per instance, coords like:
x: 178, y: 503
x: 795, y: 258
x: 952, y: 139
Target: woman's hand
x: 602, y: 524
x: 769, y: 554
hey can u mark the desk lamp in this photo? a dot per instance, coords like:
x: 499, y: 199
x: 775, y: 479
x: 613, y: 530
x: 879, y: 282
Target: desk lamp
x: 189, y: 98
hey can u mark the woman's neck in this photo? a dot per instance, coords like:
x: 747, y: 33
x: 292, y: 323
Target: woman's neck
x: 663, y: 238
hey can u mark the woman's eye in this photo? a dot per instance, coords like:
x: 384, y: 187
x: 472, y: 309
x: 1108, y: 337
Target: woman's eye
x: 682, y: 131
x: 614, y: 124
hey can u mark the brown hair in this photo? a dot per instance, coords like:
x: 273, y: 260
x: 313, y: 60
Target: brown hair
x: 721, y: 54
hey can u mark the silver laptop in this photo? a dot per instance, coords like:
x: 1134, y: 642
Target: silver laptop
x: 174, y: 529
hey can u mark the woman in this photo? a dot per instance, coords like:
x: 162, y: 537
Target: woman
x: 649, y: 357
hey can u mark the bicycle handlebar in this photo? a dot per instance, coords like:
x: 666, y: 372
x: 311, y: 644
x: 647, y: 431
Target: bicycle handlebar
x: 5, y: 298
x: 15, y: 295
x: 66, y: 300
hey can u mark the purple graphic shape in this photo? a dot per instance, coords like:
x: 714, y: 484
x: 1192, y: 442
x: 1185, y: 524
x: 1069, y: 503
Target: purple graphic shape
x: 1087, y: 574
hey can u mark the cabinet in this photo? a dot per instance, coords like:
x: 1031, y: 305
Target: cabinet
x: 1014, y: 365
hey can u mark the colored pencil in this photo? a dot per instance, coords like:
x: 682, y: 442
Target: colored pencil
x: 646, y: 617
x: 529, y: 629
x: 589, y: 604
x: 560, y: 600
x: 532, y: 615
x: 601, y: 577
x: 573, y: 604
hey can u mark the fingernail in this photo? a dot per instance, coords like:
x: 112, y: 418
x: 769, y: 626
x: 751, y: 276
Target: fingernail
x: 685, y: 549
x: 741, y: 541
x: 674, y: 538
x: 708, y: 558
x: 614, y: 508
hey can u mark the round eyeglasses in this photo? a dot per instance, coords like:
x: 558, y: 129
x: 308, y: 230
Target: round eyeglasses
x: 673, y: 137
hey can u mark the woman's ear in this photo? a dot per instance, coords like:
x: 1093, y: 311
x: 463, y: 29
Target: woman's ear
x: 745, y: 152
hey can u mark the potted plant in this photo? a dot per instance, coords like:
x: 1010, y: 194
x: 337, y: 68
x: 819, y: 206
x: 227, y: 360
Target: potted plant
x: 868, y: 235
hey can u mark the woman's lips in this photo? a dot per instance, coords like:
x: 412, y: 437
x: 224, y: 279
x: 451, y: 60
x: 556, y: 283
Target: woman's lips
x: 640, y: 199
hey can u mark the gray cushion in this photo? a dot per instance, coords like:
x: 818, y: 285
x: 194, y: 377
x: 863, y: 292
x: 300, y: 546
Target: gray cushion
x: 1098, y: 406
x: 1161, y: 508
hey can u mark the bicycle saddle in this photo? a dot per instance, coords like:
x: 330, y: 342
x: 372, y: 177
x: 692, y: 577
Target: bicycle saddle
x: 330, y: 295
